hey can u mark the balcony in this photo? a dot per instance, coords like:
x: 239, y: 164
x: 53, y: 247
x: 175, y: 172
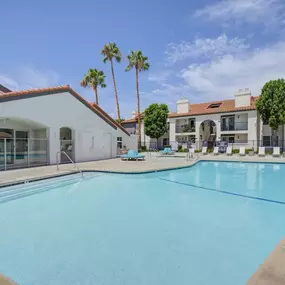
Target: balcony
x: 237, y: 126
x: 185, y: 129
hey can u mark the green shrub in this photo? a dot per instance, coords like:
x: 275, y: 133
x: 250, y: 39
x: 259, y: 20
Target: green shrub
x: 185, y: 150
x: 248, y: 150
x: 268, y: 152
x: 209, y: 150
x: 235, y: 151
x: 198, y: 150
x: 179, y: 148
x: 143, y: 148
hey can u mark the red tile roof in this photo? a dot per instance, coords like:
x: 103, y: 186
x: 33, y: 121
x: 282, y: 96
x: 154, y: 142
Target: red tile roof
x: 133, y: 120
x: 93, y: 104
x: 227, y: 106
x: 14, y: 95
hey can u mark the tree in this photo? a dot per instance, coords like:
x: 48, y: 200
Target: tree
x: 155, y: 120
x: 140, y: 62
x: 94, y: 78
x: 271, y: 103
x: 120, y: 121
x: 112, y: 52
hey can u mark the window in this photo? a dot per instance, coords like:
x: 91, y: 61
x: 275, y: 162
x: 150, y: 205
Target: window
x: 229, y: 138
x: 266, y: 140
x: 119, y: 142
x: 214, y: 105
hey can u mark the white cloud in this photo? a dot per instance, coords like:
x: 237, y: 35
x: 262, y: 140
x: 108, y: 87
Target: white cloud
x: 266, y: 12
x: 220, y: 78
x: 166, y: 93
x: 8, y: 82
x: 159, y: 76
x: 204, y: 48
x: 26, y: 77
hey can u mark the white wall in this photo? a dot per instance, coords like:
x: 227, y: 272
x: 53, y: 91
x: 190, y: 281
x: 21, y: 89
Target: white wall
x: 252, y: 126
x: 250, y: 116
x: 182, y: 106
x: 93, y: 137
x: 172, y: 131
x: 242, y: 101
x: 242, y: 98
x: 241, y: 119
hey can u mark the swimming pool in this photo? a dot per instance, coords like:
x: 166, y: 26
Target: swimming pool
x: 213, y: 223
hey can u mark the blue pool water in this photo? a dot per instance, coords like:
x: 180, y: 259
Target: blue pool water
x: 213, y: 223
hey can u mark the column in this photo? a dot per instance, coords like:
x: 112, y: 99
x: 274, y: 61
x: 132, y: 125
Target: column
x: 53, y: 144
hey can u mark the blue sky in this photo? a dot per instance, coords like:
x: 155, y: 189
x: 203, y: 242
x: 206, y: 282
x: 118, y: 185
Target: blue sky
x: 204, y: 49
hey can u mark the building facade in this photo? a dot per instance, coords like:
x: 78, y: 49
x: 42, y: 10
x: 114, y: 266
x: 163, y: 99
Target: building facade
x: 44, y: 126
x: 235, y: 121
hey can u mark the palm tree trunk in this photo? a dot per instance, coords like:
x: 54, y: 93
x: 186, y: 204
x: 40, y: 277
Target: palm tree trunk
x: 116, y: 93
x: 139, y: 112
x: 96, y: 94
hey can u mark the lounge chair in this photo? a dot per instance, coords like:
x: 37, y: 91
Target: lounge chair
x: 204, y: 150
x: 167, y: 150
x: 276, y: 151
x: 229, y: 150
x: 242, y: 151
x: 261, y: 151
x: 132, y: 154
x: 216, y: 150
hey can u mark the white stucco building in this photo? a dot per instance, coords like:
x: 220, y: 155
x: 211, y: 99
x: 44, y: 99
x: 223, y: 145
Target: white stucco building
x: 36, y: 124
x: 234, y: 120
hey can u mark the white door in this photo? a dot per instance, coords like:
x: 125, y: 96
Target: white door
x: 107, y: 145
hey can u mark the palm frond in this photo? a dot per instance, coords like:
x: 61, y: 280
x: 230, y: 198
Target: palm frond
x: 138, y: 60
x: 83, y: 82
x: 94, y: 78
x: 129, y: 68
x: 111, y: 51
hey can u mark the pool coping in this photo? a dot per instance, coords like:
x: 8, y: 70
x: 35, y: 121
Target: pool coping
x: 46, y: 177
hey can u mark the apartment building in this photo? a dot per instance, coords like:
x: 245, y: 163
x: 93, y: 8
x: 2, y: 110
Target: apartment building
x: 234, y: 120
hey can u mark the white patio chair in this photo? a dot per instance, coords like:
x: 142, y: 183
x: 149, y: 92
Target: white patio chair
x: 242, y: 151
x: 261, y: 151
x: 276, y: 151
x: 204, y: 150
x: 229, y: 150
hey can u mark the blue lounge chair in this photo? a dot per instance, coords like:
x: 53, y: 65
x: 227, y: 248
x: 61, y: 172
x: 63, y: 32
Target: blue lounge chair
x: 132, y: 154
x: 167, y: 150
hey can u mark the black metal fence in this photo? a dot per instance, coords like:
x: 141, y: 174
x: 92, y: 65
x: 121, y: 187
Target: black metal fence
x: 197, y: 145
x: 20, y: 153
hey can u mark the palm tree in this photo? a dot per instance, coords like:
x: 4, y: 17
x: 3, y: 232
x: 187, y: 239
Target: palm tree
x: 140, y: 62
x: 94, y: 78
x: 111, y: 52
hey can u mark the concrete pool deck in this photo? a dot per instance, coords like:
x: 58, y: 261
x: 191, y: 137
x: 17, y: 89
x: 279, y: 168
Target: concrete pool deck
x: 6, y: 281
x: 272, y: 271
x: 116, y: 165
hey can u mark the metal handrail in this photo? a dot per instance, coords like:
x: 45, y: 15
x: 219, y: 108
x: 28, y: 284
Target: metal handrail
x: 155, y: 151
x: 57, y: 162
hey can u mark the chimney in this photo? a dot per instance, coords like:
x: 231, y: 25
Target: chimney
x: 243, y: 98
x: 134, y: 114
x: 183, y: 106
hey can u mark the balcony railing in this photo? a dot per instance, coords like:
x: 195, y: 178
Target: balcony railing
x: 237, y: 126
x: 185, y: 129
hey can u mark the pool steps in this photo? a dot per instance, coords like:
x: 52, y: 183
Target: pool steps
x: 27, y: 189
